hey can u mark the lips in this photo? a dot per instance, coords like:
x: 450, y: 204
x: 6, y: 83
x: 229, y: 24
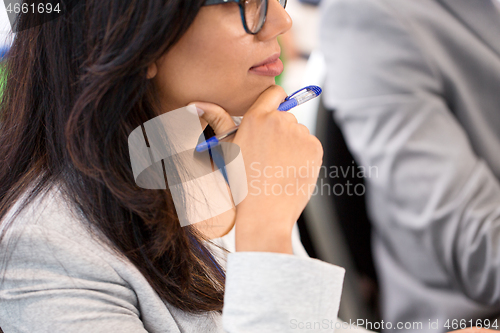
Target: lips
x: 272, y: 66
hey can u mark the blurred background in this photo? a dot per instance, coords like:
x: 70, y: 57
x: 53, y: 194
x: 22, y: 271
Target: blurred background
x: 5, y: 38
x: 334, y: 228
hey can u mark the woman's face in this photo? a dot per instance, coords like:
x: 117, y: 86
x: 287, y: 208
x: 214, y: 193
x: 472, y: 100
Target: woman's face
x: 213, y: 60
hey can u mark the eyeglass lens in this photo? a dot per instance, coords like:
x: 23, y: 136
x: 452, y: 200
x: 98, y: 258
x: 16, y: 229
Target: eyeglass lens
x: 255, y: 13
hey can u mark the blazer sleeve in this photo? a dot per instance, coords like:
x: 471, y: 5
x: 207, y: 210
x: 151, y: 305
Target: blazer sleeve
x: 53, y: 284
x: 277, y: 292
x: 435, y: 203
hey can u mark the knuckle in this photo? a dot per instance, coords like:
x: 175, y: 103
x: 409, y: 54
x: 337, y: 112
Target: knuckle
x: 217, y: 121
x: 314, y: 146
x: 318, y: 147
x: 252, y: 117
x: 275, y: 117
x: 291, y: 117
x: 249, y: 117
x: 279, y: 90
x: 303, y: 128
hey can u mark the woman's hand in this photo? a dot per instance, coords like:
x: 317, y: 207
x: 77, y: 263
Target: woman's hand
x: 282, y: 161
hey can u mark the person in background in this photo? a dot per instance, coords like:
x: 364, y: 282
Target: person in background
x: 415, y: 88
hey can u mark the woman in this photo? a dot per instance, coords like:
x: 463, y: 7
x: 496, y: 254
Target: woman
x: 83, y: 248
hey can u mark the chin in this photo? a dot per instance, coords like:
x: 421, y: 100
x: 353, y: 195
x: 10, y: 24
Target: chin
x: 242, y: 106
x: 237, y: 112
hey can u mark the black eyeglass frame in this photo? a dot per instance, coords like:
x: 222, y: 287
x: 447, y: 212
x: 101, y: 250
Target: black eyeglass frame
x: 241, y: 4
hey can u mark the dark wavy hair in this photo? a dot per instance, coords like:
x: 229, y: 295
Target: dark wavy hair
x: 76, y: 87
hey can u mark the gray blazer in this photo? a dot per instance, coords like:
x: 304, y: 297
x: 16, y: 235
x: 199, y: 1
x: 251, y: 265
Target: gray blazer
x: 61, y: 278
x: 416, y: 89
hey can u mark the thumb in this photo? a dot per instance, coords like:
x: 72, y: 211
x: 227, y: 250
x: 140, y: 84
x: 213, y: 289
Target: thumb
x: 215, y: 116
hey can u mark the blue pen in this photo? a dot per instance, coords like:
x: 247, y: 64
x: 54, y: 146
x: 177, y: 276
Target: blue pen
x: 297, y: 98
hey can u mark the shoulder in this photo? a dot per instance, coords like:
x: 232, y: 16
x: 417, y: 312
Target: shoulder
x: 49, y: 231
x: 48, y: 240
x: 371, y: 49
x: 50, y: 219
x: 54, y: 269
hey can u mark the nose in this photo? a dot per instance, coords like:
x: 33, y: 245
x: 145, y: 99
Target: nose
x: 277, y: 21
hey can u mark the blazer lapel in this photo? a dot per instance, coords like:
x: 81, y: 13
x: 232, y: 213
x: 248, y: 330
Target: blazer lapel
x: 480, y: 16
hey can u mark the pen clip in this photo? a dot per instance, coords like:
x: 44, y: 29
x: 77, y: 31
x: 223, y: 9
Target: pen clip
x: 315, y: 89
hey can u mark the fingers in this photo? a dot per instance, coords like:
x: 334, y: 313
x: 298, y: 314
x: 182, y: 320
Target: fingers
x: 268, y: 101
x: 215, y: 116
x: 289, y: 116
x: 221, y: 121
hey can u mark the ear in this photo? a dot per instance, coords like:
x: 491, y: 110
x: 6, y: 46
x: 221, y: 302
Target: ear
x: 152, y: 71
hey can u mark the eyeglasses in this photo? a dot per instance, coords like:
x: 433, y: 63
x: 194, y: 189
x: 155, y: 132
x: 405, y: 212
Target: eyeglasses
x: 253, y: 12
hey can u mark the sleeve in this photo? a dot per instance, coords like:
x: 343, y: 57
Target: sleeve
x: 434, y: 202
x: 277, y: 292
x: 53, y: 284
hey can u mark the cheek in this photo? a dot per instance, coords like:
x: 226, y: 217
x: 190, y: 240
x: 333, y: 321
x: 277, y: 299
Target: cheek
x: 203, y: 68
x: 222, y: 71
x: 210, y: 63
x: 222, y: 76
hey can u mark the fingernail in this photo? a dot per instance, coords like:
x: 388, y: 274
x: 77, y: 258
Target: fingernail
x: 200, y: 111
